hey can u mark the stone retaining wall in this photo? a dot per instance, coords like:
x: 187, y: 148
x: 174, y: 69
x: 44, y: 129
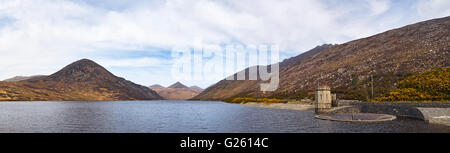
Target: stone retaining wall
x: 438, y: 113
x: 405, y: 104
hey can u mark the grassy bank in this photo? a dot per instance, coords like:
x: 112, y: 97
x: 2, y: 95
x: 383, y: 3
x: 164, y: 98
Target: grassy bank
x: 239, y: 100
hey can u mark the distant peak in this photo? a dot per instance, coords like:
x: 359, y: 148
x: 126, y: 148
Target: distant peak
x: 82, y: 70
x: 25, y: 78
x: 178, y: 85
x: 85, y: 60
x: 84, y: 64
x: 156, y: 86
x: 196, y: 87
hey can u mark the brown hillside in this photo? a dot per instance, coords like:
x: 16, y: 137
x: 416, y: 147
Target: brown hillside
x: 389, y: 57
x: 177, y: 91
x: 81, y: 80
x: 25, y: 78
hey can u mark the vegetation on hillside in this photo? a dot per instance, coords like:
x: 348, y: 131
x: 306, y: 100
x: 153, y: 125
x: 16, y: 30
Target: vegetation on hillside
x: 348, y: 68
x: 83, y: 80
x: 432, y: 85
x: 361, y: 87
x: 261, y: 100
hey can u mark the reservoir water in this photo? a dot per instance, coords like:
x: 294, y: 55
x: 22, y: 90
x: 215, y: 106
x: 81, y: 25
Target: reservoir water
x: 180, y: 117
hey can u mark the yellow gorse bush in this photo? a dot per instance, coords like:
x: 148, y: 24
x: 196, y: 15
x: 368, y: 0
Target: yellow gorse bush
x: 433, y: 85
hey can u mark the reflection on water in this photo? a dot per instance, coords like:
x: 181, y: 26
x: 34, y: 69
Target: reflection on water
x: 180, y: 117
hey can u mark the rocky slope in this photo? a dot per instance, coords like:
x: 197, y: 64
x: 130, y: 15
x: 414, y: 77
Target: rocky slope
x: 389, y: 57
x: 227, y: 89
x: 81, y: 80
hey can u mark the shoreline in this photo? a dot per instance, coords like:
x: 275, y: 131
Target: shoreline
x: 430, y: 115
x: 284, y: 106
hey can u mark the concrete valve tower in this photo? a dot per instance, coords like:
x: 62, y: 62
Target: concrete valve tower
x: 323, y: 99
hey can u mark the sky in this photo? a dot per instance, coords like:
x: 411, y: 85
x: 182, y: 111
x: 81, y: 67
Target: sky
x: 135, y: 39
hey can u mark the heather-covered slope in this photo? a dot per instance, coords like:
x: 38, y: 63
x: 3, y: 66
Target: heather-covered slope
x: 390, y: 56
x: 226, y: 89
x: 81, y: 80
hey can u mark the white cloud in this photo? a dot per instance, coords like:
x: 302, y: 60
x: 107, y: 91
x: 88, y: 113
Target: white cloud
x: 41, y: 36
x: 132, y: 62
x: 433, y: 8
x: 379, y: 6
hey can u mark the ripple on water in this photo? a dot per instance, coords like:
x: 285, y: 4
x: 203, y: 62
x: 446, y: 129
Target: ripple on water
x: 180, y: 117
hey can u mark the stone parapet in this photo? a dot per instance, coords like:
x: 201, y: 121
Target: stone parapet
x: 435, y: 113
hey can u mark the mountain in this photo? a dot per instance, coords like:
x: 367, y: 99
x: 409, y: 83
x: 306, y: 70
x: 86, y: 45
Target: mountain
x: 196, y: 89
x: 292, y: 60
x: 81, y: 80
x: 24, y: 78
x: 389, y: 57
x: 177, y: 91
x: 178, y: 85
x: 155, y: 86
x: 226, y: 89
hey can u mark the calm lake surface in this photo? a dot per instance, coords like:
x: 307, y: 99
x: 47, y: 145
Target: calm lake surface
x: 180, y: 117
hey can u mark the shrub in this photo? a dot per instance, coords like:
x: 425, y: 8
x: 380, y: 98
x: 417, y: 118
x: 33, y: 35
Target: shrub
x: 263, y: 100
x: 433, y: 85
